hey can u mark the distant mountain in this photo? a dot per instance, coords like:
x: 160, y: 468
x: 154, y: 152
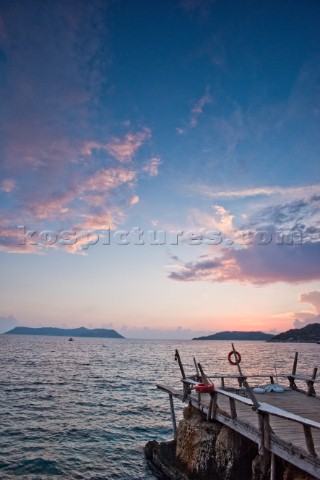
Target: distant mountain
x: 308, y: 334
x: 66, y: 332
x: 237, y: 336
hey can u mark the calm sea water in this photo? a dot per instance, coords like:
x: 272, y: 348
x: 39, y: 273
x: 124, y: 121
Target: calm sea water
x: 85, y: 409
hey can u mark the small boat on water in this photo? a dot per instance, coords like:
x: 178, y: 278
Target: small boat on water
x: 71, y: 339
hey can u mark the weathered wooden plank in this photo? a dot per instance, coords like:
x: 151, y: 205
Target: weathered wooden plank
x: 239, y: 398
x: 311, y: 391
x: 279, y: 412
x: 177, y: 357
x: 309, y: 440
x: 173, y: 416
x: 233, y: 409
x: 273, y: 475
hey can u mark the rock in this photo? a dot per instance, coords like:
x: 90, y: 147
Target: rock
x: 163, y: 461
x: 233, y: 455
x: 195, y: 444
x: 293, y: 473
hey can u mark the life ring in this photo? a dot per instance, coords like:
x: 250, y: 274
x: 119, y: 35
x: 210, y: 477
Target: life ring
x: 203, y: 388
x: 232, y: 362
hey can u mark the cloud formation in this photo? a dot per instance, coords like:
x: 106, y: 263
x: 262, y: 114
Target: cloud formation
x: 305, y: 318
x: 62, y: 166
x: 196, y: 111
x: 256, y: 264
x: 258, y: 191
x: 123, y: 149
x: 152, y: 167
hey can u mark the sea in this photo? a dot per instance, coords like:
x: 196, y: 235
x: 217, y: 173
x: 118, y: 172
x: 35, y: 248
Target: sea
x: 85, y: 409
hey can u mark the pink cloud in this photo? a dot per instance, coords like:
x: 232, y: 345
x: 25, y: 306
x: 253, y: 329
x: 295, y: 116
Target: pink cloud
x: 109, y: 178
x: 257, y: 264
x: 8, y: 185
x: 10, y: 241
x: 197, y: 110
x: 152, y: 167
x: 123, y: 149
x: 312, y: 298
x: 134, y: 200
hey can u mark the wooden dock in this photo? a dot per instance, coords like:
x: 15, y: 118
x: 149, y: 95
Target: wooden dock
x: 286, y: 424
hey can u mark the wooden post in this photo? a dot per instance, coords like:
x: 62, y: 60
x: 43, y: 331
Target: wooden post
x: 244, y: 381
x: 212, y: 406
x: 173, y: 417
x: 311, y: 391
x: 177, y: 357
x: 222, y: 383
x: 309, y: 440
x: 261, y: 431
x: 271, y: 379
x: 266, y: 428
x: 294, y: 371
x: 295, y: 362
x: 197, y: 368
x: 204, y: 377
x: 233, y: 408
x: 273, y: 467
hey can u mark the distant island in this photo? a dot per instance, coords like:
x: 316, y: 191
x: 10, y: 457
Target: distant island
x: 307, y: 334
x: 66, y: 332
x: 237, y: 336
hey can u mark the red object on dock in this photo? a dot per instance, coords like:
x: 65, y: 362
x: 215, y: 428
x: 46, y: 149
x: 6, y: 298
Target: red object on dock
x: 203, y: 388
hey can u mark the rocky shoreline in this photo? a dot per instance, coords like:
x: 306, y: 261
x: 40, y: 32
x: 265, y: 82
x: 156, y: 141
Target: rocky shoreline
x: 211, y: 451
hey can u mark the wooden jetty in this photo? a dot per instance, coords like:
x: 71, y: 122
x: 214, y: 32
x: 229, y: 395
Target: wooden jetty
x: 286, y: 424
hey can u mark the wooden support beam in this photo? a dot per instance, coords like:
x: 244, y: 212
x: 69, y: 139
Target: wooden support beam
x: 177, y: 357
x: 244, y: 381
x: 197, y: 368
x: 222, y: 382
x: 273, y: 475
x: 271, y: 379
x: 267, y: 430
x: 261, y: 437
x: 294, y: 371
x: 233, y: 408
x: 295, y: 363
x: 209, y: 414
x: 204, y: 378
x: 311, y: 391
x: 173, y: 416
x: 309, y: 440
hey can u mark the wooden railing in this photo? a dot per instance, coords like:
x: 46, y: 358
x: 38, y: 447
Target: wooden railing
x: 310, y: 380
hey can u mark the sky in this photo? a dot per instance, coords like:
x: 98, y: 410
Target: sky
x: 159, y: 165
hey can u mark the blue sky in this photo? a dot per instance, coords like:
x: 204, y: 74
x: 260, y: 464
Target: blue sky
x: 192, y: 116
